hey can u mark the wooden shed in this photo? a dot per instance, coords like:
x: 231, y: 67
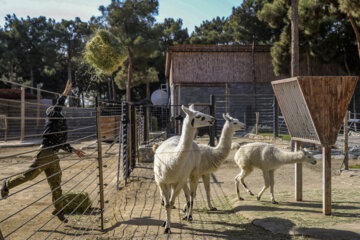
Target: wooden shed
x: 195, y: 72
x: 238, y: 75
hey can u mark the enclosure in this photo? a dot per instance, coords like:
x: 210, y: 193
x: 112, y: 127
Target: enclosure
x: 117, y: 175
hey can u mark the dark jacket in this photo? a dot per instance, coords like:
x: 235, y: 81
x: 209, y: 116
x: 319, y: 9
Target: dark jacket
x: 55, y: 133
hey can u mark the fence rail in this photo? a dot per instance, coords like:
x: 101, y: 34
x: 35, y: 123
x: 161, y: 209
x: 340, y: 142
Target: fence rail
x: 87, y: 182
x: 110, y: 134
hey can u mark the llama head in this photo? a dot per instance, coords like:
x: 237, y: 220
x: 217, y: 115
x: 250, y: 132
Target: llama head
x: 234, y: 123
x: 309, y: 156
x: 197, y: 119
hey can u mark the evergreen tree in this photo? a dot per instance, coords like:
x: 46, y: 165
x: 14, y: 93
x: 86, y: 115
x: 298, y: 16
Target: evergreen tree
x: 246, y: 27
x: 131, y: 23
x: 323, y: 33
x: 216, y: 31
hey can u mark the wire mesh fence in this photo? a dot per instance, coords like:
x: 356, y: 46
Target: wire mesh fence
x: 78, y: 187
x: 110, y: 134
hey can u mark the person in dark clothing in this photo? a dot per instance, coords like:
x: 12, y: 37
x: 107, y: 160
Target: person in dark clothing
x: 46, y: 159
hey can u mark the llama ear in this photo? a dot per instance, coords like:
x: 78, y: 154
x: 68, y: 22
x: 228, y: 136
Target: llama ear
x: 192, y: 107
x: 226, y: 117
x: 229, y: 117
x: 186, y: 110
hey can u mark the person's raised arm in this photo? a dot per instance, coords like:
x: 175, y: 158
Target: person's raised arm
x: 61, y: 100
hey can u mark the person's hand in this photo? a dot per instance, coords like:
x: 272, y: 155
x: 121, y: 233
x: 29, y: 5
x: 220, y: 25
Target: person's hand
x: 79, y: 153
x: 67, y: 88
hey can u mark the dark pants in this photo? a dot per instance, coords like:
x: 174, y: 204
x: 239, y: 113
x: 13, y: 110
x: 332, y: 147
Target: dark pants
x: 45, y: 160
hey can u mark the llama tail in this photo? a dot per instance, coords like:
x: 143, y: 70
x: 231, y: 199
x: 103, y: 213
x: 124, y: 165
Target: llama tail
x: 155, y: 146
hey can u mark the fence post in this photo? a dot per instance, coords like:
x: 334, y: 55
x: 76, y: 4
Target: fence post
x: 100, y: 163
x: 22, y: 136
x: 275, y: 118
x: 257, y: 123
x: 38, y: 97
x: 227, y: 93
x: 326, y: 160
x: 245, y: 118
x: 147, y: 124
x: 298, y: 175
x: 125, y: 141
x: 354, y: 111
x: 1, y: 236
x: 212, y: 128
x: 346, y: 140
x: 132, y: 137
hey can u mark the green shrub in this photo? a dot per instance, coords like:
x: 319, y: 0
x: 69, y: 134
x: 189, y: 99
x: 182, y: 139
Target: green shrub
x: 81, y: 199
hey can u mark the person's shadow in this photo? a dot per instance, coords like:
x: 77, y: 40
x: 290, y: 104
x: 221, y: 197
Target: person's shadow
x: 287, y: 227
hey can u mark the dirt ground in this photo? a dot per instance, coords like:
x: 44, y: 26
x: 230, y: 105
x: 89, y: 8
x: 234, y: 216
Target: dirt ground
x: 135, y: 212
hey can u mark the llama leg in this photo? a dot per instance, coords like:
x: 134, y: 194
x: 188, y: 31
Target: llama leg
x: 176, y: 188
x: 243, y: 174
x: 236, y: 180
x: 206, y: 180
x: 266, y: 182
x: 193, y: 187
x: 187, y: 196
x: 162, y: 197
x: 165, y: 193
x: 272, y: 182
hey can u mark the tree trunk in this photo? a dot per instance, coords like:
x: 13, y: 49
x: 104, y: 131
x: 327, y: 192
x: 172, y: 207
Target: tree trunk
x: 294, y: 38
x: 12, y: 74
x: 253, y: 72
x: 128, y: 83
x: 308, y: 62
x: 83, y: 100
x: 16, y: 74
x: 31, y: 79
x: 109, y: 89
x: 356, y: 31
x: 69, y: 63
x: 113, y: 88
x: 147, y: 90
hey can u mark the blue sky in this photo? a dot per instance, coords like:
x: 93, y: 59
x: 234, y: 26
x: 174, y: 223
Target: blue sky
x: 193, y: 12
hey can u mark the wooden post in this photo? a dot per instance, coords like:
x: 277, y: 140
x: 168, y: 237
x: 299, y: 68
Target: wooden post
x: 130, y: 138
x: 1, y: 236
x: 100, y: 166
x: 227, y: 93
x: 346, y: 140
x: 245, y: 118
x: 275, y: 118
x: 212, y: 128
x: 6, y: 128
x: 298, y: 175
x: 38, y: 96
x: 326, y: 159
x: 354, y: 110
x: 257, y: 123
x: 22, y: 136
x: 147, y: 124
x: 135, y: 140
x: 179, y: 109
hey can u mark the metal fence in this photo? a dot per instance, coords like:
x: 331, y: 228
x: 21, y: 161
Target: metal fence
x: 100, y: 130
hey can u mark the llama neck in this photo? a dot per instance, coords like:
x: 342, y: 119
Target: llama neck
x: 224, y: 145
x: 221, y: 151
x: 290, y: 157
x: 186, y: 138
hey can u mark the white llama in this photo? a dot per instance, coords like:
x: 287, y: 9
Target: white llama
x: 175, y: 158
x: 213, y: 157
x: 268, y: 158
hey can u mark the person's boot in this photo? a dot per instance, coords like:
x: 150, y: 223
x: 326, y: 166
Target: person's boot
x: 4, y: 190
x: 60, y: 215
